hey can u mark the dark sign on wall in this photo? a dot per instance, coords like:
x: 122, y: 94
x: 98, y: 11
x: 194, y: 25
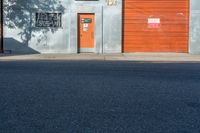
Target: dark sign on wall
x: 48, y: 20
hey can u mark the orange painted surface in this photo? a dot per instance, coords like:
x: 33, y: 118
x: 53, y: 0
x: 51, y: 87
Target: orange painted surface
x: 86, y: 31
x: 170, y: 36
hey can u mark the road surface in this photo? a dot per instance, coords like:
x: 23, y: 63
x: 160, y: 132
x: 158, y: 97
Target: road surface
x: 99, y: 97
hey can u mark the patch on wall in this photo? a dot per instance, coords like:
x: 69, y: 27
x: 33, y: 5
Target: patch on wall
x: 111, y: 2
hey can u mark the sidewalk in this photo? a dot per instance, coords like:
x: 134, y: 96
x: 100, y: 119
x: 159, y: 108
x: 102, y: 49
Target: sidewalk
x: 161, y: 57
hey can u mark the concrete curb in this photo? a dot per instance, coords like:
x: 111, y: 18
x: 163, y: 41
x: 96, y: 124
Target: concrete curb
x: 161, y: 57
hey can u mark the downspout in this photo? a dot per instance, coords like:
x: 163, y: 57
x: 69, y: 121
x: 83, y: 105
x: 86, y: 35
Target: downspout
x: 1, y: 24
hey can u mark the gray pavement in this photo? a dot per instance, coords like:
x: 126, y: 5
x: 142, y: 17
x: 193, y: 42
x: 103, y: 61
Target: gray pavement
x: 109, y: 57
x: 96, y: 96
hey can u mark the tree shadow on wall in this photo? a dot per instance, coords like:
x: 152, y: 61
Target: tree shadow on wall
x: 20, y: 14
x: 15, y: 47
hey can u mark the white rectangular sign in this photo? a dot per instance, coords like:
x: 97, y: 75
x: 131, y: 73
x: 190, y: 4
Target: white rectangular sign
x: 153, y: 20
x: 85, y: 27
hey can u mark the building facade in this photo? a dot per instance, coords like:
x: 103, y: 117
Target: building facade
x: 101, y: 26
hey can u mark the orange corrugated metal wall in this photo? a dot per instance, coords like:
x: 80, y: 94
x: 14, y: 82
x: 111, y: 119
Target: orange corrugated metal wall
x: 171, y: 36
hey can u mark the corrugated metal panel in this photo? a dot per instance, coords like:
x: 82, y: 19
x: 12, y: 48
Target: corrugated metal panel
x: 170, y: 36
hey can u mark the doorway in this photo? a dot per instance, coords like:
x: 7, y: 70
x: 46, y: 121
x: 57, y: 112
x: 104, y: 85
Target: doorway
x: 86, y: 31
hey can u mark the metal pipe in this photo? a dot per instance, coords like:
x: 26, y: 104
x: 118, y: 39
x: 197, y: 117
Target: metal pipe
x: 1, y: 24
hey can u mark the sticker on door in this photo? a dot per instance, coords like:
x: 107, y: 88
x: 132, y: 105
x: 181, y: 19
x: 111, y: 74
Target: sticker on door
x: 85, y: 27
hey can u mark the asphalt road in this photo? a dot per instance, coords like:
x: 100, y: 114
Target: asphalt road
x: 99, y: 97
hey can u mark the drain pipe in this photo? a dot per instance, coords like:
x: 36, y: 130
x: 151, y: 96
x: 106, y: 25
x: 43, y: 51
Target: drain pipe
x: 1, y: 24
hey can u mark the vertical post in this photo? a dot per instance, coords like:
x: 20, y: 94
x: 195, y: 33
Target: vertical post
x: 1, y: 26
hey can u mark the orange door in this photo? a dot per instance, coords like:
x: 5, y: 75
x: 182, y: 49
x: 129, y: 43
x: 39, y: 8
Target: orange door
x: 86, y: 31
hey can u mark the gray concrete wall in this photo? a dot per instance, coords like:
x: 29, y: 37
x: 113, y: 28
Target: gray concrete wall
x: 24, y: 37
x: 194, y: 39
x: 112, y: 29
